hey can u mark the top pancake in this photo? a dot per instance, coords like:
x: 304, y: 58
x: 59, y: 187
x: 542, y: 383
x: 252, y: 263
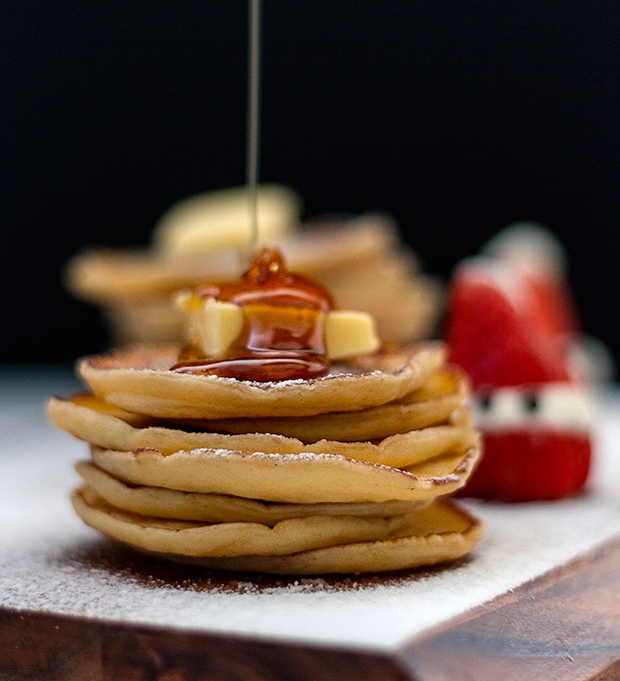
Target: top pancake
x: 139, y: 380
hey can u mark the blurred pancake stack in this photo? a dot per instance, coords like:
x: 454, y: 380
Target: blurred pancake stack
x: 360, y: 260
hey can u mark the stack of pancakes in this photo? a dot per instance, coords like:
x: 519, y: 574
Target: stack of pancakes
x: 361, y: 261
x: 345, y: 473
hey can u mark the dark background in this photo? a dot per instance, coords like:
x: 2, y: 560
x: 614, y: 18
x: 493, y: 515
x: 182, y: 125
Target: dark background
x: 456, y: 117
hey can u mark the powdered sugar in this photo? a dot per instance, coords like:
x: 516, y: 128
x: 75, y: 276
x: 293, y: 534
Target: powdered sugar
x: 285, y: 458
x: 49, y: 561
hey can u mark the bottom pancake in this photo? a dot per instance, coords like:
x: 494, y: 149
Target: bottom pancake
x: 321, y: 544
x: 201, y: 539
x: 441, y: 533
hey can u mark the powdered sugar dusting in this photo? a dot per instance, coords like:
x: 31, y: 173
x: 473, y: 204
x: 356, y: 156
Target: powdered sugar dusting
x: 335, y: 372
x: 286, y: 458
x: 49, y: 561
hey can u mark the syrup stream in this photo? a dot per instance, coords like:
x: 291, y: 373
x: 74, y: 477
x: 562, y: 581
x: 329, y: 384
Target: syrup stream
x: 253, y: 132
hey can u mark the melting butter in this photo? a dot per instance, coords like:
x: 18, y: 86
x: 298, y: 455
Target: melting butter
x: 215, y: 325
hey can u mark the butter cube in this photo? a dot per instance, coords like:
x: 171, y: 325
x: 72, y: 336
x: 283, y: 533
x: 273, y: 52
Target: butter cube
x: 215, y: 326
x: 349, y: 333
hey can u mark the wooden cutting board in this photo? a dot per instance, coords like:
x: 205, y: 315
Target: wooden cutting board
x: 564, y: 626
x: 538, y: 599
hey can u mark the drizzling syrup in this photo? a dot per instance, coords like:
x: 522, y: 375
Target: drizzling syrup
x: 283, y: 335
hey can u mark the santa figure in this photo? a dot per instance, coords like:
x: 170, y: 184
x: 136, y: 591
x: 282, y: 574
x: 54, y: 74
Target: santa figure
x: 512, y: 326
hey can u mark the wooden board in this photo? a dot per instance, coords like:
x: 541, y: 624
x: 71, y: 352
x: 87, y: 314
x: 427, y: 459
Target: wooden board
x: 564, y: 626
x: 539, y: 599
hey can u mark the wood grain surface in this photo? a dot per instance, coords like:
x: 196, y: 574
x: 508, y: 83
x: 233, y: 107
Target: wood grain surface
x: 564, y: 626
x: 44, y: 647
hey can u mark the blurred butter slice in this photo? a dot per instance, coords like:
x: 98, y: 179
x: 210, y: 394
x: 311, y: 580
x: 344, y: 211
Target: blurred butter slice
x: 222, y: 219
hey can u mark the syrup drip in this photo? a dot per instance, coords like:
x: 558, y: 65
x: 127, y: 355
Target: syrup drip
x: 283, y: 334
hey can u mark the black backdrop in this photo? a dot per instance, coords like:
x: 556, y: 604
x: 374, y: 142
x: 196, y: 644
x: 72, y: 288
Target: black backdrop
x: 457, y: 117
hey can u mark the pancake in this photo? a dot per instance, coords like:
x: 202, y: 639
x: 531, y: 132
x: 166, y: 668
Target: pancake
x: 219, y: 508
x: 292, y: 478
x: 189, y: 538
x: 87, y: 417
x: 90, y: 417
x: 445, y: 532
x: 440, y: 532
x: 139, y: 380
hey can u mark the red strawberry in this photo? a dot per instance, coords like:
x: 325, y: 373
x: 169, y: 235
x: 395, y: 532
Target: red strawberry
x: 532, y: 465
x: 554, y: 302
x: 497, y: 329
x: 505, y: 331
x: 539, y: 255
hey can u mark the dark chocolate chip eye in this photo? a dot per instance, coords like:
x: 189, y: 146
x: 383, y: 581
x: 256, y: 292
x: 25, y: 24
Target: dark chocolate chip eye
x: 530, y: 402
x: 484, y: 401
